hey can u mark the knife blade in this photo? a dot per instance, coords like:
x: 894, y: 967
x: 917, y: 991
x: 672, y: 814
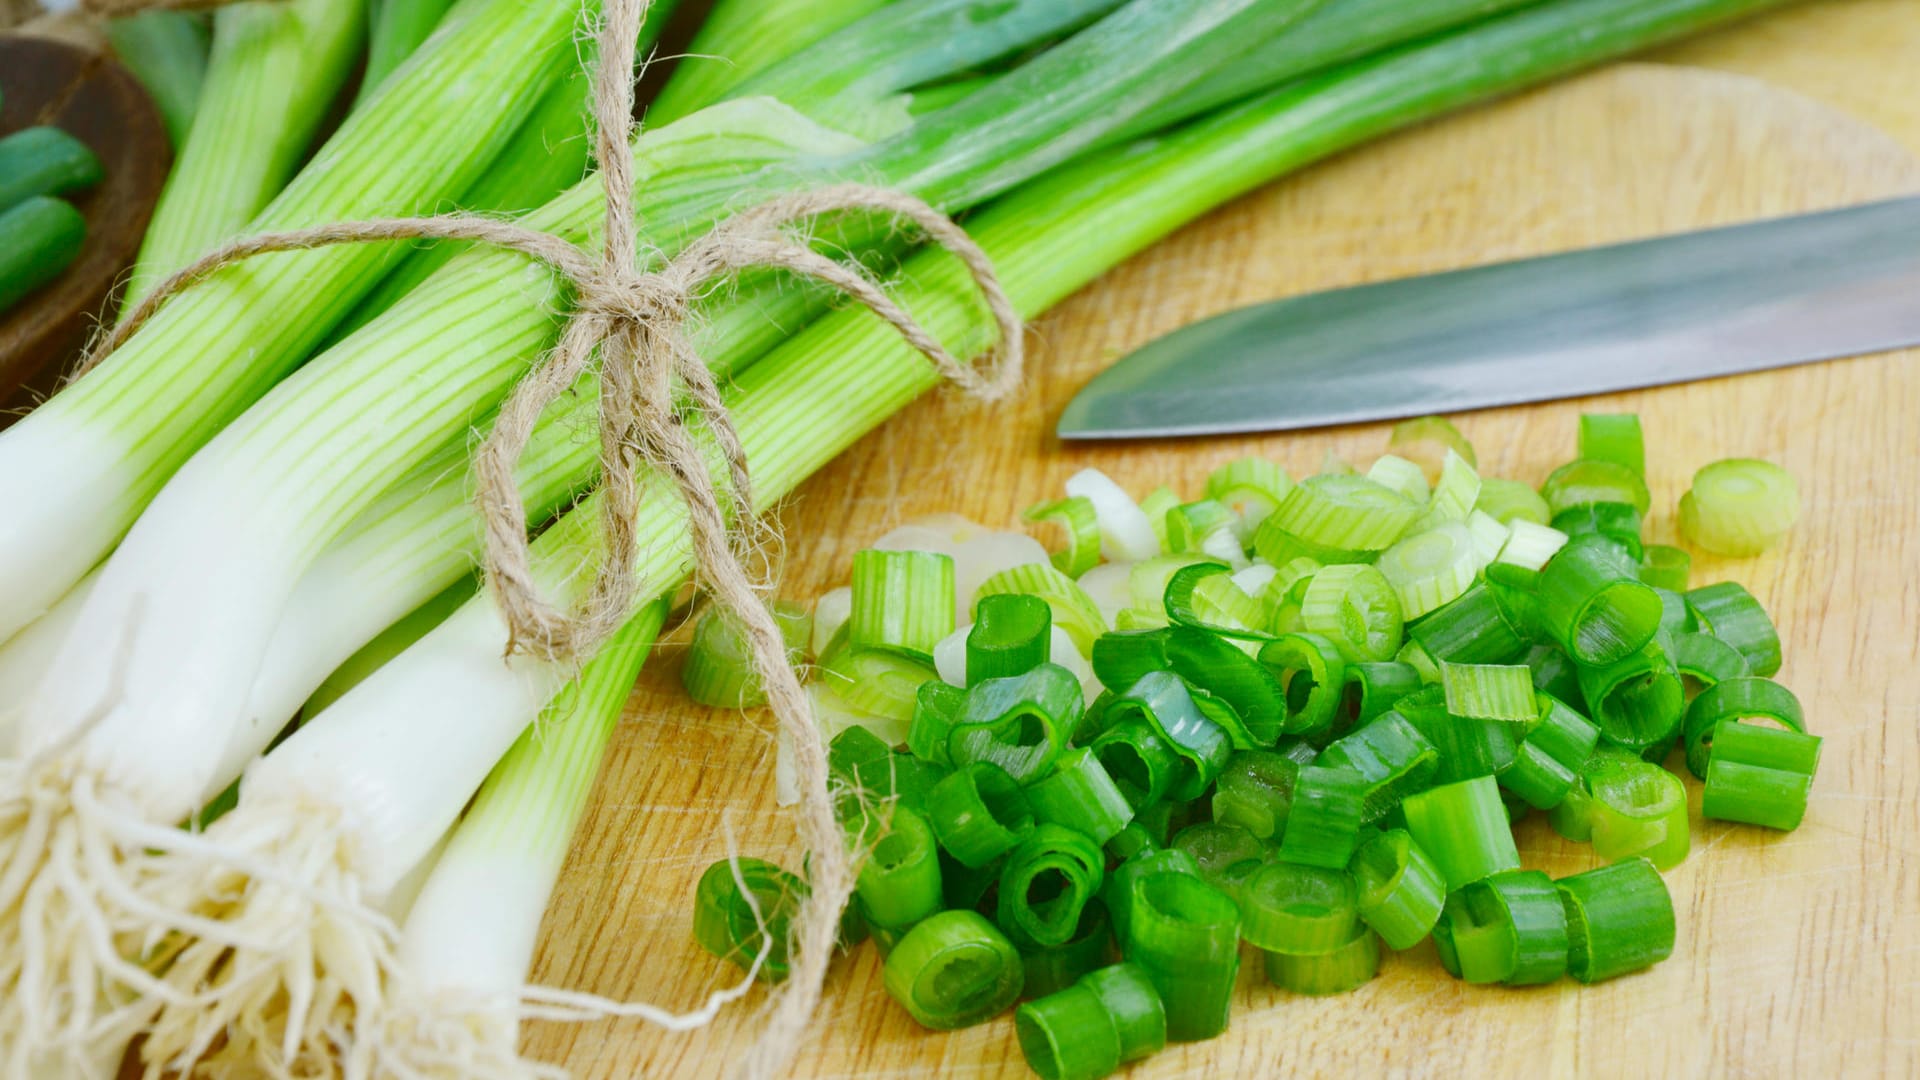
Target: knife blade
x: 1697, y: 305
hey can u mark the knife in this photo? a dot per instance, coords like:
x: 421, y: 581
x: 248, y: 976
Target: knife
x: 1697, y: 305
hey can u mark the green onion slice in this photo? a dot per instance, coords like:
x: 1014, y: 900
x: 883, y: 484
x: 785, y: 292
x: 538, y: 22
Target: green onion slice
x: 1510, y: 502
x: 738, y: 925
x: 1729, y: 612
x: 1453, y: 494
x: 1638, y: 809
x: 936, y: 708
x: 1474, y: 629
x: 1391, y: 755
x: 1118, y: 892
x: 1547, y: 762
x: 1356, y: 608
x: 718, y: 671
x: 1746, y: 698
x: 1050, y: 971
x: 1347, y: 967
x: 1303, y: 910
x: 1594, y: 605
x: 899, y: 883
x: 1080, y: 524
x: 1427, y: 440
x: 1619, y: 920
x: 902, y: 600
x: 1530, y: 545
x: 1400, y: 889
x: 1080, y: 795
x: 1012, y: 634
x: 1490, y: 692
x: 1254, y: 792
x: 1226, y: 854
x: 1510, y: 927
x: 1463, y: 828
x: 1759, y: 775
x: 954, y: 970
x: 1583, y: 481
x: 1348, y: 513
x: 1707, y: 660
x: 1311, y: 673
x: 1665, y: 567
x: 978, y: 813
x: 1252, y: 488
x: 1073, y: 610
x: 1614, y: 438
x: 1048, y: 879
x: 1397, y: 473
x: 878, y: 682
x: 1021, y: 724
x: 1323, y: 824
x: 1161, y: 700
x: 1185, y: 934
x: 1740, y: 507
x: 1636, y: 701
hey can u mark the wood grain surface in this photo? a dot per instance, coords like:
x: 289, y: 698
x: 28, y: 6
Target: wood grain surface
x: 1798, y: 954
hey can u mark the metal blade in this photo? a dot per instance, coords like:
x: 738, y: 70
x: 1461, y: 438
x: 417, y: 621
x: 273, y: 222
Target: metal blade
x: 1672, y: 309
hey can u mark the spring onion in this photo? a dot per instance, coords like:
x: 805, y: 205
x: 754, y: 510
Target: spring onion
x: 1616, y: 522
x: 1020, y: 724
x: 1079, y: 795
x: 1430, y: 569
x: 398, y: 28
x: 1530, y: 545
x: 716, y: 671
x: 730, y: 927
x: 1185, y: 934
x: 1199, y: 746
x: 167, y: 52
x: 1357, y: 609
x: 1510, y: 502
x: 1619, y: 920
x: 1304, y: 910
x: 1055, y: 969
x: 1390, y: 755
x: 1759, y: 775
x: 1740, y: 507
x: 1593, y: 605
x: 1312, y: 674
x: 1426, y: 440
x: 1226, y: 855
x: 899, y: 883
x: 1255, y: 791
x: 1665, y: 567
x: 1110, y: 1017
x: 1638, y: 809
x: 1636, y: 701
x: 1501, y: 692
x: 978, y: 813
x: 1345, y: 967
x: 1118, y: 891
x: 1081, y: 524
x: 1407, y: 478
x: 1400, y: 889
x: 1547, y: 762
x: 1073, y: 610
x: 1323, y: 822
x: 1509, y: 927
x: 1252, y: 488
x: 1012, y: 635
x: 1729, y: 612
x: 1584, y: 481
x: 1747, y: 698
x: 953, y: 970
x: 1463, y: 828
x: 1047, y: 880
x: 901, y: 600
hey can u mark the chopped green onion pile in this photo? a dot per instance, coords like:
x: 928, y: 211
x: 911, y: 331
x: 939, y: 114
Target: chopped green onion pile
x: 1313, y: 738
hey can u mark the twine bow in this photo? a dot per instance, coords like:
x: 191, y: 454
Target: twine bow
x: 636, y: 320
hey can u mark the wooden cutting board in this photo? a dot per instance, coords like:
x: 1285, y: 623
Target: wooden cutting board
x: 1797, y: 953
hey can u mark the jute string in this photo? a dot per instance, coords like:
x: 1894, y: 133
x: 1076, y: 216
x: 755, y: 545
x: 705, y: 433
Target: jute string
x: 637, y: 322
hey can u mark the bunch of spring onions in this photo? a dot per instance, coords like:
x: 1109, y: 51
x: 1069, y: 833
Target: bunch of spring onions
x: 1303, y: 716
x: 276, y: 523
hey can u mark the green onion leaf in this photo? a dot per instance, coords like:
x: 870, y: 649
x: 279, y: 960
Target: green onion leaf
x: 1759, y: 775
x: 1547, y: 762
x: 1254, y: 792
x: 1081, y: 796
x: 1614, y: 438
x: 1302, y: 910
x: 901, y: 600
x: 1252, y: 488
x: 732, y: 927
x: 1391, y: 755
x: 1463, y: 827
x: 1347, y: 513
x: 1583, y: 482
x: 1162, y: 701
x: 1593, y: 605
x: 1020, y: 724
x: 1312, y: 675
x: 1729, y: 612
x: 1401, y: 475
x: 1077, y: 520
x: 1510, y: 501
x: 899, y: 883
x: 1047, y: 881
x: 1401, y: 890
x: 1427, y: 440
x: 1490, y: 692
x: 978, y: 813
x: 1510, y: 927
x: 1741, y: 698
x: 1636, y: 701
x: 1185, y: 934
x: 1347, y: 967
x: 1665, y: 567
x: 1323, y: 824
x: 1073, y: 610
x: 1012, y: 634
x: 1619, y: 920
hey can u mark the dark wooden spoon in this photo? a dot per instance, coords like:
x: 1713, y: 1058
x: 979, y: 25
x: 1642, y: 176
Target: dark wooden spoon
x: 94, y: 99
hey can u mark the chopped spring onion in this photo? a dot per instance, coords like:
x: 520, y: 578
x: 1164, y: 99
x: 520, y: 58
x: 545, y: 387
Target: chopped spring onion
x: 1204, y: 595
x: 1055, y: 969
x: 1730, y: 700
x: 1490, y: 692
x: 1126, y: 534
x: 1593, y: 605
x: 1343, y: 968
x: 1665, y: 567
x: 1142, y: 764
x: 717, y: 671
x: 1156, y: 506
x: 1729, y: 612
x: 1163, y: 703
x: 1615, y: 521
x: 1583, y: 482
x: 1471, y: 630
x: 936, y: 708
x: 1467, y: 746
x: 1356, y: 608
x: 1638, y: 809
x: 1401, y: 890
x: 1373, y: 689
x: 1323, y: 824
x: 1463, y: 828
x: 730, y: 927
x: 954, y: 970
x: 1191, y: 525
x: 1312, y: 674
x: 1427, y: 440
x: 1510, y: 501
x: 877, y: 683
x: 1118, y: 892
x: 1081, y: 524
x: 1619, y: 920
x: 1073, y: 610
x: 1759, y: 775
x: 1509, y: 927
x: 1453, y: 494
x: 901, y: 600
x: 1399, y: 474
x: 1226, y: 855
x: 1547, y: 762
x: 1020, y: 724
x: 1302, y: 910
x: 1049, y: 877
x: 1185, y: 934
x: 1065, y: 1036
x: 1012, y: 635
x: 1081, y: 796
x: 978, y: 813
x: 1348, y: 513
x: 1391, y: 755
x: 899, y: 884
x: 1740, y: 507
x: 1614, y: 438
x: 1707, y: 660
x: 1636, y: 701
x: 1252, y: 488
x: 1530, y: 545
x: 1254, y: 792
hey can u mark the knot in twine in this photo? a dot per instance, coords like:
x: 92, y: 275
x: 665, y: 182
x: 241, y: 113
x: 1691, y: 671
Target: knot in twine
x: 636, y: 320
